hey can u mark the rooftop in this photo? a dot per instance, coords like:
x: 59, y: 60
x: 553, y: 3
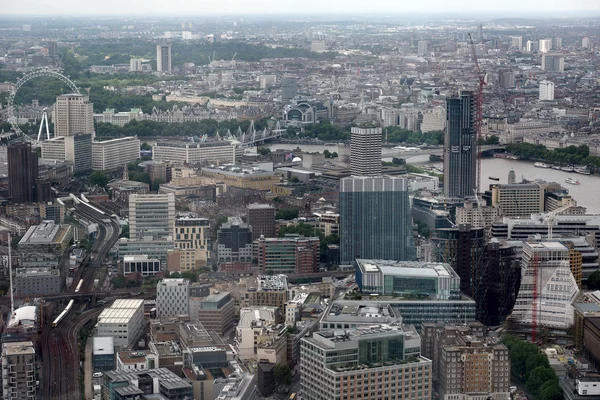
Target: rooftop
x: 406, y: 268
x: 47, y: 232
x: 256, y: 206
x: 127, y: 303
x: 272, y: 282
x: 18, y: 348
x: 103, y: 345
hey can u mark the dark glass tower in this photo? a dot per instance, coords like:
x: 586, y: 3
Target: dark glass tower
x: 460, y: 146
x: 375, y: 219
x: 22, y: 173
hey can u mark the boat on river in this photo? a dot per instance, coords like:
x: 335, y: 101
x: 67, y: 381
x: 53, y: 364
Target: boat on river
x: 541, y: 165
x: 572, y: 181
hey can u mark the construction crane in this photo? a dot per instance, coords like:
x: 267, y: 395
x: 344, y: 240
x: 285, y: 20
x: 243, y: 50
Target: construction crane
x: 481, y: 75
x: 550, y: 217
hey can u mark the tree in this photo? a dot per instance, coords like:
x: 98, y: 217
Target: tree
x: 593, y: 282
x: 538, y: 377
x: 99, y: 179
x: 125, y: 231
x: 283, y: 374
x: 263, y: 151
x: 550, y: 391
x: 156, y: 184
x: 294, y: 179
x: 145, y: 146
x: 534, y: 361
x: 287, y: 213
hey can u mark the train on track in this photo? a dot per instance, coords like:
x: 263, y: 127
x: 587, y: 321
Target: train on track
x: 62, y: 315
x: 78, y: 289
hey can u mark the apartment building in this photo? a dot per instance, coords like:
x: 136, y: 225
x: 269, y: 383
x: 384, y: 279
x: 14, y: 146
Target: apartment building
x: 192, y: 238
x: 18, y: 370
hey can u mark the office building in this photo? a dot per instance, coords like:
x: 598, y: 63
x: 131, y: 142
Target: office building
x: 292, y: 254
x: 163, y: 58
x: 216, y: 312
x: 109, y: 155
x: 261, y: 217
x: 18, y: 371
x: 545, y: 45
x: 205, y: 153
x: 22, y: 172
x: 339, y: 365
x: 172, y: 297
x: 461, y: 247
x: 517, y: 41
x: 478, y: 215
x: 73, y: 114
x: 586, y: 43
x: 141, y: 265
x: 460, y: 146
x: 158, y: 383
x: 264, y: 81
x: 151, y: 215
x: 507, y: 79
x: 289, y: 88
x: 433, y: 119
x: 499, y: 277
x: 234, y: 242
x: 153, y: 249
x: 518, y: 200
x: 546, y: 90
x: 123, y: 321
x: 553, y: 62
x: 192, y: 238
x: 37, y: 282
x: 365, y: 151
x: 408, y: 279
x: 556, y: 288
x: 375, y: 219
x: 76, y: 148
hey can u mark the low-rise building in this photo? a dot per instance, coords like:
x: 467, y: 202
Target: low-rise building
x: 37, y: 282
x: 123, y: 321
x: 103, y: 353
x: 161, y: 382
x: 136, y: 360
x: 109, y: 155
x: 141, y: 264
x: 243, y: 178
x: 216, y: 312
x: 255, y: 323
x: 48, y: 237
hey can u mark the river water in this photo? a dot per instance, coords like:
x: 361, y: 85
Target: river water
x: 587, y: 193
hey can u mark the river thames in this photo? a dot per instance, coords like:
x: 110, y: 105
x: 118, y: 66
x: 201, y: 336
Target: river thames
x: 587, y: 193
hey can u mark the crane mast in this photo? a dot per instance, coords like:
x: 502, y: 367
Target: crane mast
x: 478, y: 109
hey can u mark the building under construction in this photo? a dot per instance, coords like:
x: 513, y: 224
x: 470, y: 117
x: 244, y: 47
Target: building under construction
x: 543, y: 308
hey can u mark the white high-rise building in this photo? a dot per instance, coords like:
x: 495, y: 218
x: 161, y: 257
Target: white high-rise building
x: 172, y: 297
x: 389, y: 117
x: 151, y: 215
x: 135, y: 64
x: 556, y: 286
x: 18, y: 370
x: 73, y: 114
x: 545, y: 45
x: 434, y: 120
x: 422, y: 47
x: 586, y: 43
x: 112, y: 154
x: 546, y: 90
x: 532, y: 46
x: 163, y: 57
x: 365, y: 151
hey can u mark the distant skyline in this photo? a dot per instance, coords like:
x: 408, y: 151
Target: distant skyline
x: 256, y: 7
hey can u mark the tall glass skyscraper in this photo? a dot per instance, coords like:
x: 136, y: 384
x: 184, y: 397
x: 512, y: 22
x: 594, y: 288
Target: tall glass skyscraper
x: 375, y: 219
x: 460, y: 146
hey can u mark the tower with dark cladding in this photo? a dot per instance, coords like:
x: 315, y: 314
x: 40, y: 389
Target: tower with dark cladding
x: 460, y: 146
x: 375, y: 219
x: 22, y: 173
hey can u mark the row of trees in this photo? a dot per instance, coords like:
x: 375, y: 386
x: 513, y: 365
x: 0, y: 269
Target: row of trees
x: 566, y: 155
x: 530, y: 365
x: 325, y: 131
x: 146, y: 128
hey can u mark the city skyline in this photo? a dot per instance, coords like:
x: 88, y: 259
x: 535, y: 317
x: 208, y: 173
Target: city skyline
x: 239, y: 7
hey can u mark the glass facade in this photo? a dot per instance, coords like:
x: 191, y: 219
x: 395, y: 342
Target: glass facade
x: 460, y: 146
x: 375, y: 219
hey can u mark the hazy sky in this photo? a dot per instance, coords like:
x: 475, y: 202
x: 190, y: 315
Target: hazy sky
x: 188, y: 7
